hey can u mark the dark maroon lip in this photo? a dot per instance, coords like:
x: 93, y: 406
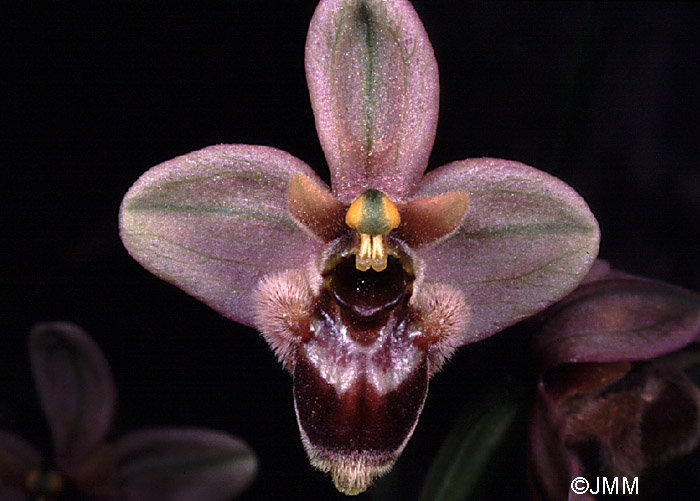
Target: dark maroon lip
x: 360, y: 381
x: 360, y: 418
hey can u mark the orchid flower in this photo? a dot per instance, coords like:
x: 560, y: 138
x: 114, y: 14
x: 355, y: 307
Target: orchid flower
x: 615, y: 397
x: 365, y: 289
x: 77, y: 395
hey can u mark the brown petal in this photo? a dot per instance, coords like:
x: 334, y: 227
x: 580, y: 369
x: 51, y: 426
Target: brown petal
x: 425, y: 220
x: 573, y: 379
x: 316, y: 208
x: 96, y: 476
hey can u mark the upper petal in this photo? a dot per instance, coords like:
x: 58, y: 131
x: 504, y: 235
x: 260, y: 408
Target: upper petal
x: 525, y: 241
x: 618, y: 319
x: 183, y: 464
x: 75, y: 388
x: 215, y: 221
x: 374, y: 90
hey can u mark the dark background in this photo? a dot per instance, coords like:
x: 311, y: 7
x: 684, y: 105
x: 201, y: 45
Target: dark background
x: 604, y: 96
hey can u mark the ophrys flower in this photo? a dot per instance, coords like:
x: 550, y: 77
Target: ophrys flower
x: 618, y: 392
x: 365, y: 290
x: 78, y: 397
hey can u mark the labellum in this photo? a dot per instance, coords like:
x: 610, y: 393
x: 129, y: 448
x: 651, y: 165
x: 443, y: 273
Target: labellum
x: 360, y: 344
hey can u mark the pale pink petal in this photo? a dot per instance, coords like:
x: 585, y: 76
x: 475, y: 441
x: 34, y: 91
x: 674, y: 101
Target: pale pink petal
x: 182, y: 464
x: 526, y: 240
x: 374, y: 89
x: 618, y: 319
x: 215, y: 221
x: 75, y: 388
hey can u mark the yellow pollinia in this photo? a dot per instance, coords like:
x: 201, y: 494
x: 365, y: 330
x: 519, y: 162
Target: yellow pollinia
x: 373, y: 215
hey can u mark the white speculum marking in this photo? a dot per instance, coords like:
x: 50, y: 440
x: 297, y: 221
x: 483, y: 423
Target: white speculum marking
x: 343, y: 361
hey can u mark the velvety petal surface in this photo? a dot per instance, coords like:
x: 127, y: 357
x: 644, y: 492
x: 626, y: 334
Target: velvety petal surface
x: 374, y: 89
x: 214, y: 221
x: 425, y: 220
x: 17, y: 458
x: 618, y: 319
x: 316, y: 209
x: 526, y: 240
x: 183, y: 464
x: 75, y: 388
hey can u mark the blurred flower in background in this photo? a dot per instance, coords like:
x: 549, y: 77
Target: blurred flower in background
x: 617, y: 395
x: 78, y: 396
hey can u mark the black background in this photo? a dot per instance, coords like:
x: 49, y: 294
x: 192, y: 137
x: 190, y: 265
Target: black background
x: 604, y: 96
